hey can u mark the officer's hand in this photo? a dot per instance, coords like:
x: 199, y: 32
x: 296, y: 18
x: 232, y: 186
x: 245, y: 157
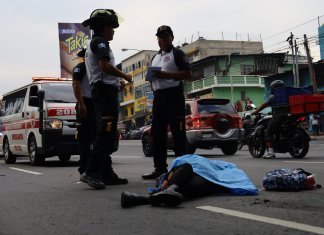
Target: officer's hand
x: 83, y: 110
x: 254, y: 113
x: 121, y: 85
x: 162, y: 74
x: 128, y: 78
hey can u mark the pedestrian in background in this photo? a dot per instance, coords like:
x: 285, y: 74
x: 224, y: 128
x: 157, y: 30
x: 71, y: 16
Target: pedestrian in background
x: 239, y: 106
x: 315, y: 124
x: 169, y: 102
x: 104, y: 82
x: 85, y: 113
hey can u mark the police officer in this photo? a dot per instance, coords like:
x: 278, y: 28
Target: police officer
x: 169, y: 101
x: 104, y: 82
x: 86, y: 121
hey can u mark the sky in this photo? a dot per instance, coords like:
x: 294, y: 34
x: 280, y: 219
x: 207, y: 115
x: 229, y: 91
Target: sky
x: 29, y: 43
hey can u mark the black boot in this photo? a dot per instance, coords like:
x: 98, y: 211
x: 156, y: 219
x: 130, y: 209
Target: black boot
x: 156, y: 173
x: 132, y: 199
x: 169, y: 197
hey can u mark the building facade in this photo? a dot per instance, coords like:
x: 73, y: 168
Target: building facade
x: 321, y: 40
x: 221, y: 69
x: 236, y: 77
x: 137, y: 97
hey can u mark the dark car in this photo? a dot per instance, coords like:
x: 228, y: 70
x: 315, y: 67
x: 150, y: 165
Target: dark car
x: 135, y: 134
x: 210, y: 123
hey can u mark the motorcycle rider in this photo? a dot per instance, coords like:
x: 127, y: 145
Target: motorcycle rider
x: 274, y: 123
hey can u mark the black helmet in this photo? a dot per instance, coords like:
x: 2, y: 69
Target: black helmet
x: 276, y: 84
x: 100, y: 16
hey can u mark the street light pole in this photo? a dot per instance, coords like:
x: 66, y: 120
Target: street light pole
x: 228, y: 65
x: 129, y: 49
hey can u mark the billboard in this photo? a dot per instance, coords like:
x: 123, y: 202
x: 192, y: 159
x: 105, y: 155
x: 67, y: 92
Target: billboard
x: 72, y: 37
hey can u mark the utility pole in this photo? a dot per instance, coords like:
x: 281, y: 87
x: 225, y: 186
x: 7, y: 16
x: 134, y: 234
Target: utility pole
x: 310, y: 65
x: 296, y: 65
x: 291, y: 43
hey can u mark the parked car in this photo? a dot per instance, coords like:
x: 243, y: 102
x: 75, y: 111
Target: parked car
x: 210, y: 123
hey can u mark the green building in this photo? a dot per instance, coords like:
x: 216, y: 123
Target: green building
x: 234, y: 76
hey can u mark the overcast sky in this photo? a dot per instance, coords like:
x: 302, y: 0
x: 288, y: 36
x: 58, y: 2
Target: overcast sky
x: 29, y: 29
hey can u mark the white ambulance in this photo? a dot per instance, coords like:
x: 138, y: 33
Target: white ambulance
x: 39, y: 120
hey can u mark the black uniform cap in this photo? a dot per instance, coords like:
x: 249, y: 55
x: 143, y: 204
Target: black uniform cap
x: 107, y: 16
x: 164, y: 30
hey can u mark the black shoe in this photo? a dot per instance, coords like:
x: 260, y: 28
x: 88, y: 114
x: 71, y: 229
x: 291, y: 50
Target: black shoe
x: 156, y: 173
x: 114, y: 179
x: 132, y: 199
x: 92, y: 182
x: 167, y: 197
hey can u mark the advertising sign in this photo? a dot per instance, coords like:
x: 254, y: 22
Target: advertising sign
x: 72, y: 37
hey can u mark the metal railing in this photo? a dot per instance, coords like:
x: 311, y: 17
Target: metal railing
x: 225, y: 81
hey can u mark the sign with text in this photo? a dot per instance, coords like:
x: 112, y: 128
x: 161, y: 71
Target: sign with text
x: 72, y: 37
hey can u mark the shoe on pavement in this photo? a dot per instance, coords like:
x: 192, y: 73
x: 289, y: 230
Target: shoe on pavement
x: 168, y: 197
x: 269, y: 156
x: 114, y: 179
x: 92, y: 181
x: 156, y: 173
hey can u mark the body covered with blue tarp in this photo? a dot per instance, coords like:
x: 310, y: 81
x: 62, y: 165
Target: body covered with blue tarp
x: 219, y: 172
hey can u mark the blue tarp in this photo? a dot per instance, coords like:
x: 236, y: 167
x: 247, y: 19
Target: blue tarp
x: 219, y: 172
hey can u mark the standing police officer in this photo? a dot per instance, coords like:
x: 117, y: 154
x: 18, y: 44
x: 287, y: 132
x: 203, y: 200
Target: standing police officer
x: 104, y: 82
x: 169, y: 101
x: 86, y: 120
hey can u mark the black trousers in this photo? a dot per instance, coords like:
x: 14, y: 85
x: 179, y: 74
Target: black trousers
x: 105, y: 98
x: 86, y: 132
x: 168, y: 110
x: 192, y: 185
x: 272, y: 128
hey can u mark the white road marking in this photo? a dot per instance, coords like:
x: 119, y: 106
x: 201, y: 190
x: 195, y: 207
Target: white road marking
x: 269, y: 220
x: 30, y: 172
x: 306, y: 162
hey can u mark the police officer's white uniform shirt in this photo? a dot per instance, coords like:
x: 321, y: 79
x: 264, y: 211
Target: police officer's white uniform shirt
x: 168, y: 62
x: 98, y: 48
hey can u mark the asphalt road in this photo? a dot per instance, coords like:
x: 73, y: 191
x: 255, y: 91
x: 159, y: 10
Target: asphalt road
x: 51, y: 200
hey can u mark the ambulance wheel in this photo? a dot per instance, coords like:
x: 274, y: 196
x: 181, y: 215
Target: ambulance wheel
x: 7, y: 155
x: 64, y: 157
x: 34, y: 157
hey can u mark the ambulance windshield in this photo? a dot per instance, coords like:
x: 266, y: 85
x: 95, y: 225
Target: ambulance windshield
x: 59, y: 92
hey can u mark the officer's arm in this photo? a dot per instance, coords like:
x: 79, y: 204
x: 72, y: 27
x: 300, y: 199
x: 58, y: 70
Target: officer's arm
x: 77, y: 91
x: 78, y: 95
x: 108, y: 68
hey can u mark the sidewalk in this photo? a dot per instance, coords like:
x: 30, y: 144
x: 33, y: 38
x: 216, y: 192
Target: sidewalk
x: 317, y: 137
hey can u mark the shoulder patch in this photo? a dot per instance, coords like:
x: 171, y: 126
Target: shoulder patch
x: 76, y: 70
x: 102, y: 45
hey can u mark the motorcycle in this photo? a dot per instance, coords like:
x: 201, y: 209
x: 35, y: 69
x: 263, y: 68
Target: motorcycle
x: 290, y: 138
x: 248, y: 130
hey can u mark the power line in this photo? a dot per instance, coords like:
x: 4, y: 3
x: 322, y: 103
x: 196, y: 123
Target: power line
x: 293, y: 28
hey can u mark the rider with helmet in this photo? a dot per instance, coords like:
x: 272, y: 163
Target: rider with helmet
x: 274, y: 123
